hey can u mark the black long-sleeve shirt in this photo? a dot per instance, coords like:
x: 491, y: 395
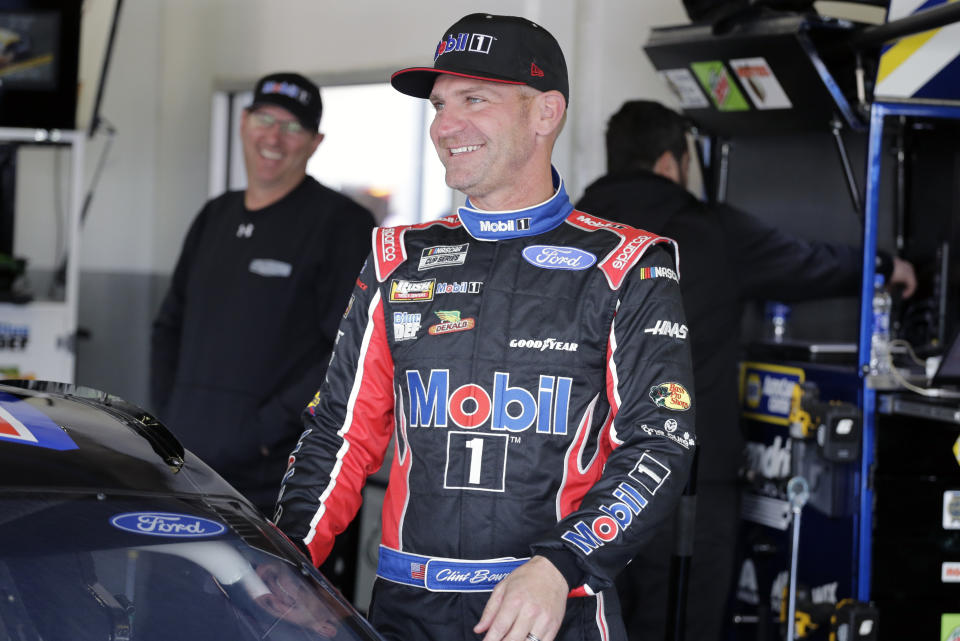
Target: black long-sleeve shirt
x: 244, y: 334
x: 728, y: 257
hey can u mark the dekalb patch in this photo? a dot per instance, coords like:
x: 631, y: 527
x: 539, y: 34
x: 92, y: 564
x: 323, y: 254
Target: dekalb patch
x: 412, y: 291
x: 451, y: 322
x: 672, y: 396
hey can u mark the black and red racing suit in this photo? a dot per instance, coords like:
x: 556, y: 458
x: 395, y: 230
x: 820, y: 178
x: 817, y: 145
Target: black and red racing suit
x: 533, y: 370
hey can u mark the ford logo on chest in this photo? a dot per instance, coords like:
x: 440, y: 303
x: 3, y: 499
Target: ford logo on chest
x: 167, y: 524
x: 553, y: 257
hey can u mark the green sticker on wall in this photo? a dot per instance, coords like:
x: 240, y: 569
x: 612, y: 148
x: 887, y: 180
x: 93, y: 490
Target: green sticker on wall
x: 950, y: 626
x: 720, y: 85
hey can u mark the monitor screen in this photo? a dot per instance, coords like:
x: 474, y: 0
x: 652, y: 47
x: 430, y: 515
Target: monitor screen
x: 949, y: 371
x: 29, y: 50
x: 39, y: 52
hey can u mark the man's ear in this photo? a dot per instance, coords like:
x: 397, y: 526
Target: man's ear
x: 550, y: 109
x: 668, y: 167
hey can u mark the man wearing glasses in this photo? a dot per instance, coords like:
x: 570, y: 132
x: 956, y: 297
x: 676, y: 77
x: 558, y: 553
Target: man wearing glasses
x: 245, y: 332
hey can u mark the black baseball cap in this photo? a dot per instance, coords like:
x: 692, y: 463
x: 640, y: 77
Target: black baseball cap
x: 506, y: 49
x: 294, y: 93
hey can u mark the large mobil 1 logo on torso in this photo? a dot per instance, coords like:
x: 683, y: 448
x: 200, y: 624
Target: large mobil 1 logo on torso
x: 477, y: 460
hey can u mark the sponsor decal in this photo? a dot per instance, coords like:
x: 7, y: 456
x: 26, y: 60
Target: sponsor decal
x: 270, y: 268
x: 666, y: 328
x: 405, y: 326
x: 388, y: 244
x: 167, y: 524
x: 826, y: 593
x: 686, y: 440
x: 499, y: 226
x: 362, y: 285
x: 748, y: 588
x: 412, y: 291
x: 460, y: 287
x: 511, y: 409
x: 770, y: 461
x: 760, y: 83
x: 312, y: 406
x: 443, y: 256
x: 451, y: 322
x: 950, y: 572
x: 350, y: 302
x: 14, y: 337
x: 622, y: 259
x: 287, y: 89
x: 719, y: 85
x: 672, y: 396
x: 649, y: 474
x: 22, y: 423
x: 951, y: 510
x: 544, y: 344
x: 245, y: 231
x: 658, y: 272
x: 598, y: 223
x: 767, y: 391
x: 552, y: 257
x: 684, y: 86
x: 950, y: 626
x: 466, y: 576
x: 472, y: 42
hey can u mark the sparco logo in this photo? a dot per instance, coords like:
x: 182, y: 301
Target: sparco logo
x: 494, y: 226
x: 623, y: 256
x: 388, y: 241
x: 544, y: 344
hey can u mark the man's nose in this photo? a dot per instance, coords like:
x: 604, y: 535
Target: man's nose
x: 447, y: 121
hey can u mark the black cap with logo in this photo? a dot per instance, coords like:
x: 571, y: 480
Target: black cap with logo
x: 506, y: 49
x: 294, y: 93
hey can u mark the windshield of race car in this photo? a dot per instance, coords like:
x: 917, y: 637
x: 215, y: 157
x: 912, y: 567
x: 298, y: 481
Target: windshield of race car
x: 97, y: 568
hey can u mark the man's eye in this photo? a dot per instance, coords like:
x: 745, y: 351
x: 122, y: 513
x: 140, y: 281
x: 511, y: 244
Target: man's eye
x: 437, y: 106
x: 474, y: 99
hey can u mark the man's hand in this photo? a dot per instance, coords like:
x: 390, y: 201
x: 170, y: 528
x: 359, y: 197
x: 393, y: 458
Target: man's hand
x: 903, y: 275
x: 531, y: 600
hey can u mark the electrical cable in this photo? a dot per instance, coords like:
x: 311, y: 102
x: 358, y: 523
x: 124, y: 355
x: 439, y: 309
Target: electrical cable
x: 931, y: 392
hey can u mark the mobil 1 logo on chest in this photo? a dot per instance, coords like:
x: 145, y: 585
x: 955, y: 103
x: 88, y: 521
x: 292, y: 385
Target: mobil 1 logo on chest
x: 489, y: 419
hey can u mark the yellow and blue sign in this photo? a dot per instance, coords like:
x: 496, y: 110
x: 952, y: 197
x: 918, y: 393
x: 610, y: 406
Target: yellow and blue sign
x: 766, y: 391
x: 924, y: 67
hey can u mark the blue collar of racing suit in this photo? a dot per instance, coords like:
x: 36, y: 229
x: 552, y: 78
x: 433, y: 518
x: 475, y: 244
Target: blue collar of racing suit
x: 500, y: 225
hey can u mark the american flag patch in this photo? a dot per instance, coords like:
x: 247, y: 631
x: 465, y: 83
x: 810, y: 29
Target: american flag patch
x: 418, y: 570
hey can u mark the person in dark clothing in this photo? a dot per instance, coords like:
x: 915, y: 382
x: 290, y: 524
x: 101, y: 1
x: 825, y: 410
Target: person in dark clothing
x: 730, y: 257
x: 243, y: 336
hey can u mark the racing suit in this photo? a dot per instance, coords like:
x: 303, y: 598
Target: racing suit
x: 533, y: 370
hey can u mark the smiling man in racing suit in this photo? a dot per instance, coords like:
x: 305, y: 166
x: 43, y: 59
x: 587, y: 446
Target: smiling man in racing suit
x: 530, y: 362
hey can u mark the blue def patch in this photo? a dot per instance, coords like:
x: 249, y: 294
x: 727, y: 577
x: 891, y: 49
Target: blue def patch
x: 21, y: 422
x: 167, y: 524
x: 552, y: 257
